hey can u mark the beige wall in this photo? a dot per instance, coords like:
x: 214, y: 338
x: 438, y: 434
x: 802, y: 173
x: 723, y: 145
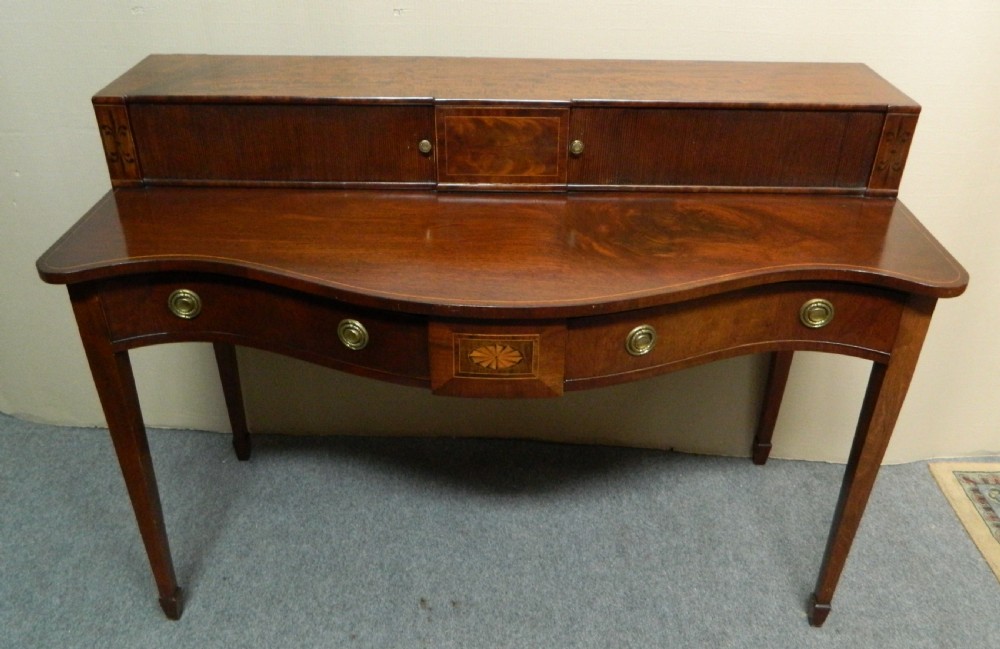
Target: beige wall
x: 54, y: 55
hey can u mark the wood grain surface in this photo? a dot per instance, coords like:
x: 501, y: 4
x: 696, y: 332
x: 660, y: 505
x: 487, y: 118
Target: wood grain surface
x: 505, y: 255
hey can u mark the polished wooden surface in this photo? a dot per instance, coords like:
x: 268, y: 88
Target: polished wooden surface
x: 692, y: 211
x: 475, y: 359
x: 760, y: 319
x: 257, y: 314
x: 505, y: 256
x: 283, y: 143
x: 725, y: 148
x: 502, y: 146
x: 482, y: 80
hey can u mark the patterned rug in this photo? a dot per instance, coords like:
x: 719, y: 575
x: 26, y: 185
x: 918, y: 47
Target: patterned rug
x: 973, y: 489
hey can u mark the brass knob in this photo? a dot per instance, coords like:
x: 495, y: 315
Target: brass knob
x: 576, y: 147
x: 425, y: 146
x: 640, y: 340
x: 353, y: 334
x: 184, y: 304
x: 816, y: 313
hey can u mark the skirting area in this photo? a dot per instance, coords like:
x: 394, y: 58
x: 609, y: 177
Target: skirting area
x: 350, y: 542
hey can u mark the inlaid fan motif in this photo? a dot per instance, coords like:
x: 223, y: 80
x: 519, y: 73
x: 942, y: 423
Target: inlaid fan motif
x: 496, y: 356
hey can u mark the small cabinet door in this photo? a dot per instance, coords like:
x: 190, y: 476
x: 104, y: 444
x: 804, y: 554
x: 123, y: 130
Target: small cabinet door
x: 501, y: 147
x: 284, y: 143
x: 723, y: 148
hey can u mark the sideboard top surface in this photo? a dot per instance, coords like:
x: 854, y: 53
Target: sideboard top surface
x: 515, y: 255
x: 220, y: 78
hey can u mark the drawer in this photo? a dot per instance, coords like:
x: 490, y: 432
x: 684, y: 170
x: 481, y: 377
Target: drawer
x: 487, y: 148
x: 509, y: 360
x: 623, y: 347
x: 143, y: 311
x: 689, y: 147
x: 283, y: 143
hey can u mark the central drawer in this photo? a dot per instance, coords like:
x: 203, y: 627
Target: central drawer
x: 470, y: 359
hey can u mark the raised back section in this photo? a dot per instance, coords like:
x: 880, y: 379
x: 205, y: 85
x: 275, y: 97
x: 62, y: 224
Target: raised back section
x: 505, y: 124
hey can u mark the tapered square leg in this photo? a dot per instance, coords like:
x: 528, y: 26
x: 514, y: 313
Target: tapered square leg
x: 817, y: 612
x: 229, y: 372
x: 112, y: 372
x: 173, y: 605
x: 886, y: 391
x: 777, y: 378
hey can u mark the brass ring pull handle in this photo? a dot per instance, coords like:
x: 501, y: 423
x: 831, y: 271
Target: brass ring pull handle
x: 816, y: 313
x: 640, y: 340
x: 576, y: 147
x: 184, y: 303
x: 353, y: 334
x: 425, y: 147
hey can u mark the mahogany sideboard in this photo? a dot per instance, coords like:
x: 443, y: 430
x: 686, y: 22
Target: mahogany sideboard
x: 503, y: 228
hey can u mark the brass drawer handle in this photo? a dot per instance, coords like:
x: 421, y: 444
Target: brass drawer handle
x: 576, y: 147
x: 425, y: 147
x: 353, y: 334
x: 184, y: 303
x: 816, y: 313
x: 640, y: 340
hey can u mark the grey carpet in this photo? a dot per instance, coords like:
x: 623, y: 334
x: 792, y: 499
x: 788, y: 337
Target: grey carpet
x: 344, y: 542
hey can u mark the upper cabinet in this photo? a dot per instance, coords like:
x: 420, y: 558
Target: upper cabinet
x: 505, y: 124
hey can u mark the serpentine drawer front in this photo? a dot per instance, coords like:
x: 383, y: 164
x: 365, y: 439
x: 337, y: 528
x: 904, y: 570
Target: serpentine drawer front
x: 472, y: 359
x: 503, y: 228
x: 861, y: 322
x: 139, y: 312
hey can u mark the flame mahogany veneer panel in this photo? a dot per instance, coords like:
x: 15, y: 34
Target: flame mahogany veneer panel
x: 505, y: 255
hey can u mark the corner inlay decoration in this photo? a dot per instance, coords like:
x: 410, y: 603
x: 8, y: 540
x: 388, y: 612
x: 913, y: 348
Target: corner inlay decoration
x: 119, y: 148
x: 897, y: 133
